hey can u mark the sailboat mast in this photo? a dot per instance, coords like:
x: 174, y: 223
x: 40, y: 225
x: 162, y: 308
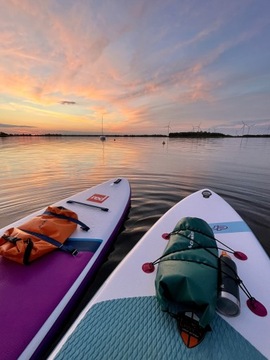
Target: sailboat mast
x: 102, y: 137
x: 102, y: 126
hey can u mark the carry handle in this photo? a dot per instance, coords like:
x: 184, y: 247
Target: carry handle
x: 69, y: 218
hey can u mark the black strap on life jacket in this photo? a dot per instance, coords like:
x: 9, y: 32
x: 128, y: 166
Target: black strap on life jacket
x: 27, y: 252
x: 52, y: 241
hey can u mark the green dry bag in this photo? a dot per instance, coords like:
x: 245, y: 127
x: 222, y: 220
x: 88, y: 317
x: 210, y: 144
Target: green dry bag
x: 187, y: 273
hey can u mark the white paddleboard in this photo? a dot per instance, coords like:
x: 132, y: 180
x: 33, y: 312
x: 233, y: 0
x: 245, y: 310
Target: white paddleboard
x: 124, y: 320
x: 37, y: 298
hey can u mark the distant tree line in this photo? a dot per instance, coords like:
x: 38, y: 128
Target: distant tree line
x: 197, y: 134
x: 207, y: 134
x: 87, y: 135
x: 187, y: 134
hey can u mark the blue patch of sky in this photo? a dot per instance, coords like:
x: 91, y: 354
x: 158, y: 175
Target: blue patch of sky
x: 242, y: 71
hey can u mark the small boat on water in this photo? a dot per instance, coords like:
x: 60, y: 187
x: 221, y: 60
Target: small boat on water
x: 102, y: 137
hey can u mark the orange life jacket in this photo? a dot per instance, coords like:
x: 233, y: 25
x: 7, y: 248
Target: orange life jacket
x: 40, y: 235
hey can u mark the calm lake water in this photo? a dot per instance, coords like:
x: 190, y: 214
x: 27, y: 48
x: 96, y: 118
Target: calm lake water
x: 38, y: 171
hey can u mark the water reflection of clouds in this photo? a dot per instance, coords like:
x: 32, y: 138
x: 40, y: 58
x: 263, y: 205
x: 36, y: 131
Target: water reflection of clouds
x: 37, y: 171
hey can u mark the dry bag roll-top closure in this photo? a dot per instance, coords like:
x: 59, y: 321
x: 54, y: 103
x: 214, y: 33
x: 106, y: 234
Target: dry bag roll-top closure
x: 40, y: 235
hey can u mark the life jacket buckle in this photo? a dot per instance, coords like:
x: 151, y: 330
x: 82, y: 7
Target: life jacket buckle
x: 12, y: 239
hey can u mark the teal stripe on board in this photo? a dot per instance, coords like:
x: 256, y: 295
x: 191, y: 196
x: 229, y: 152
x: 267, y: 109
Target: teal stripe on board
x: 136, y: 329
x: 229, y: 227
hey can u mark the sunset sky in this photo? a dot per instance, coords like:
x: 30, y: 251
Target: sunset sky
x: 146, y: 66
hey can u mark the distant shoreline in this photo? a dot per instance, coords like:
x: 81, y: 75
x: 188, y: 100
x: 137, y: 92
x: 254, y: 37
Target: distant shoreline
x: 196, y: 135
